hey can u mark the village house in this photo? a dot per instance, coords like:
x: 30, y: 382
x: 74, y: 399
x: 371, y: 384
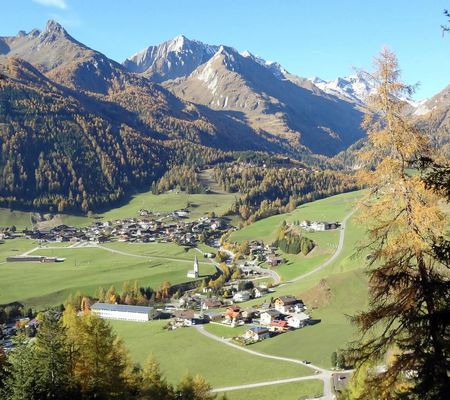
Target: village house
x: 268, y: 316
x: 213, y: 316
x: 274, y: 260
x: 186, y: 317
x: 249, y: 314
x: 288, y: 304
x: 278, y: 326
x: 233, y: 315
x: 256, y: 333
x: 260, y: 291
x: 241, y: 296
x: 298, y: 320
x: 211, y: 303
x: 319, y: 225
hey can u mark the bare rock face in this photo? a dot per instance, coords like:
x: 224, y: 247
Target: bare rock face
x: 169, y: 60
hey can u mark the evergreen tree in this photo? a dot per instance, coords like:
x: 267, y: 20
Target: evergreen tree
x: 53, y: 363
x: 22, y: 380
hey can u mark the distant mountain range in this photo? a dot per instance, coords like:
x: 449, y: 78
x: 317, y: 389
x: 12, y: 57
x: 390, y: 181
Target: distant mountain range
x: 131, y: 120
x: 280, y: 106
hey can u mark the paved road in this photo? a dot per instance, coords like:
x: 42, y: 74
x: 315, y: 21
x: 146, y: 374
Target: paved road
x: 260, y: 384
x: 266, y: 271
x: 334, y: 256
x: 320, y: 373
x: 81, y: 245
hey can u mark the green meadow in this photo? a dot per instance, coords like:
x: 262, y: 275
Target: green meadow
x: 187, y: 351
x: 286, y: 391
x: 198, y: 205
x: 330, y: 209
x: 85, y: 269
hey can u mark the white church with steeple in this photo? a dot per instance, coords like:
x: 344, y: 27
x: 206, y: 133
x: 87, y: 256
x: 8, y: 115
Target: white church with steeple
x: 194, y: 273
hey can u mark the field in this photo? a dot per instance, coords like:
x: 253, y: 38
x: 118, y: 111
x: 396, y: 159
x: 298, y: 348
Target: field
x: 347, y: 286
x: 198, y: 204
x: 330, y: 209
x: 38, y: 285
x: 19, y: 219
x: 186, y: 350
x: 338, y: 290
x: 85, y: 269
x: 286, y: 391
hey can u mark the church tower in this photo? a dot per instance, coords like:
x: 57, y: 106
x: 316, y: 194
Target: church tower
x: 194, y: 273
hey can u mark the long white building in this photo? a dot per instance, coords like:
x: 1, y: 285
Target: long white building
x: 123, y: 312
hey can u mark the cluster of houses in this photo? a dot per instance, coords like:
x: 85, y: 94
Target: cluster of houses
x: 140, y: 230
x: 319, y: 225
x: 269, y: 319
x: 287, y: 313
x: 264, y: 252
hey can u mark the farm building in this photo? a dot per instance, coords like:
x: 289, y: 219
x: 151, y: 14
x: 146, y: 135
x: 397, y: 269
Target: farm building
x: 42, y: 259
x: 124, y: 312
x: 319, y: 225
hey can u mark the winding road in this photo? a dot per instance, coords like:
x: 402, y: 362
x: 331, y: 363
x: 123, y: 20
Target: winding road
x: 319, y: 373
x: 335, y: 255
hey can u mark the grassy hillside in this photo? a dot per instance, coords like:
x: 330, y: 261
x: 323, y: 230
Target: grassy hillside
x: 287, y: 391
x: 19, y: 219
x: 186, y: 350
x: 330, y: 209
x: 198, y: 204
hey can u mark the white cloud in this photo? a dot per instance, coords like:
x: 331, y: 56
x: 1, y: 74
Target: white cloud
x: 53, y: 3
x: 65, y: 21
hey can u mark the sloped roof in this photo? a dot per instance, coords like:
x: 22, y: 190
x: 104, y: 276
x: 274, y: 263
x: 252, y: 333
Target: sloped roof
x: 121, y: 308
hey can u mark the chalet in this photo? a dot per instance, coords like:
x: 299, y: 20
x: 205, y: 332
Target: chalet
x: 298, y: 320
x: 211, y: 303
x: 260, y: 291
x: 278, y: 326
x: 182, y: 213
x: 250, y: 313
x: 241, y: 296
x: 288, y: 304
x: 213, y: 316
x: 186, y: 317
x: 274, y: 260
x: 268, y: 316
x: 319, y: 225
x: 257, y: 333
x: 124, y: 312
x: 233, y: 315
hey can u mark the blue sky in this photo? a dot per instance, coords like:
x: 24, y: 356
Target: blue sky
x: 324, y: 38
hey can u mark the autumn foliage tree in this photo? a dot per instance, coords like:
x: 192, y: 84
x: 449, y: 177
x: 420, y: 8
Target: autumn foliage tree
x: 408, y: 312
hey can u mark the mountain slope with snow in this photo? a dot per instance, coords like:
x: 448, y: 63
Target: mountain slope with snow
x: 354, y: 88
x: 171, y: 59
x: 271, y: 101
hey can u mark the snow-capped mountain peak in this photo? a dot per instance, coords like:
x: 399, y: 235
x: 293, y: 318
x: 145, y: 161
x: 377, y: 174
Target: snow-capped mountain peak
x: 353, y: 87
x: 171, y: 59
x: 273, y: 66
